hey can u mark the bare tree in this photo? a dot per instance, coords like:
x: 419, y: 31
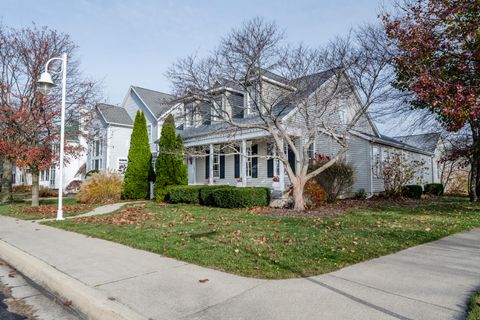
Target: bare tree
x: 29, y: 121
x: 311, y: 85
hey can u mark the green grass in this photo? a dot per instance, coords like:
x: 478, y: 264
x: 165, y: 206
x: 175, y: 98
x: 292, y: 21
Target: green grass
x: 474, y: 307
x: 47, y: 209
x: 250, y: 244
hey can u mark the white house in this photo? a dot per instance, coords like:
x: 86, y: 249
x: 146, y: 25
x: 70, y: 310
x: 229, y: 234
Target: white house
x: 72, y: 171
x: 112, y: 127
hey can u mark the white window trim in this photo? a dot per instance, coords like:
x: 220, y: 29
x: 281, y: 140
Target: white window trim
x: 248, y: 160
x: 216, y: 156
x: 150, y: 132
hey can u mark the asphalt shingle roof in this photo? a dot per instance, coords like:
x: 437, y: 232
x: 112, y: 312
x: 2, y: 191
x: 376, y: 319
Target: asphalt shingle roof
x: 157, y: 102
x: 424, y: 141
x: 305, y: 86
x: 114, y: 114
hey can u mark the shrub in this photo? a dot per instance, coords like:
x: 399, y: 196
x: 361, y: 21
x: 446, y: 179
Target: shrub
x: 435, y: 189
x: 336, y: 179
x: 206, y: 194
x: 398, y: 171
x: 45, y: 192
x: 241, y: 197
x: 22, y: 189
x: 170, y: 167
x: 184, y: 194
x: 314, y: 194
x: 136, y: 182
x: 74, y: 185
x: 413, y: 191
x: 91, y: 172
x: 361, y: 194
x: 101, y: 187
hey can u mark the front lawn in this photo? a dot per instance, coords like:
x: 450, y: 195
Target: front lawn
x: 46, y: 210
x: 252, y: 244
x: 474, y: 307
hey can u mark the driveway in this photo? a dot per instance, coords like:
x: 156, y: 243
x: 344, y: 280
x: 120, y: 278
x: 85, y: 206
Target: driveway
x: 430, y: 281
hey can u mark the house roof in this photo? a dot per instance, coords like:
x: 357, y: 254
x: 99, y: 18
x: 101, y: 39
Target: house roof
x: 305, y: 86
x: 424, y: 141
x: 114, y: 114
x: 383, y: 139
x: 157, y: 102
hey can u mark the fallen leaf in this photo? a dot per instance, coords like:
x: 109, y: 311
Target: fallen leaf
x: 203, y: 280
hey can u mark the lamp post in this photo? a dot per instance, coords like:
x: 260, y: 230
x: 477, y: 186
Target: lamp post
x: 45, y: 84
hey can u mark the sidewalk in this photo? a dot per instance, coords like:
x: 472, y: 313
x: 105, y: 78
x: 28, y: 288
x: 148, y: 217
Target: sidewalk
x: 431, y: 281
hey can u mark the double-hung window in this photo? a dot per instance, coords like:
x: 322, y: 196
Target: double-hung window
x: 216, y: 162
x: 249, y: 164
x: 377, y: 162
x: 149, y: 129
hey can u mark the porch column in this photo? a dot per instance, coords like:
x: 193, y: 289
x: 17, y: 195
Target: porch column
x: 281, y: 169
x: 210, y: 169
x: 244, y: 163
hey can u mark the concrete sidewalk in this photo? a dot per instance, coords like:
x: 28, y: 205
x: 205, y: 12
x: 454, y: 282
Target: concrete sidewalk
x: 431, y: 281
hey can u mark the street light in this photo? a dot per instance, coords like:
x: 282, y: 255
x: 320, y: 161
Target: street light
x: 45, y: 84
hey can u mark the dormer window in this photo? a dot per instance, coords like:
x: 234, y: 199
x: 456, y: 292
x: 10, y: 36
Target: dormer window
x: 217, y: 108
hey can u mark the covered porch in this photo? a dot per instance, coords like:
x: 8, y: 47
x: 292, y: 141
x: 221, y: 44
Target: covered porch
x: 241, y: 162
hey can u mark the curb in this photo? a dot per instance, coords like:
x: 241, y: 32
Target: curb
x: 88, y: 301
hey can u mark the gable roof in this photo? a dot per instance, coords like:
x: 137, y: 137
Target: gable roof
x: 424, y: 141
x: 114, y: 114
x: 157, y: 102
x: 386, y: 140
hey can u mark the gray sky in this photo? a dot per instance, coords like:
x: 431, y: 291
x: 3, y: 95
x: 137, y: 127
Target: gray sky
x: 125, y: 43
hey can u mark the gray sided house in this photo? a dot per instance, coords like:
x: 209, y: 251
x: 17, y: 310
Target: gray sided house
x: 219, y: 154
x: 226, y: 155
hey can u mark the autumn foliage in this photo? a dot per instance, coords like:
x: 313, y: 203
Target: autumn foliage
x: 437, y: 60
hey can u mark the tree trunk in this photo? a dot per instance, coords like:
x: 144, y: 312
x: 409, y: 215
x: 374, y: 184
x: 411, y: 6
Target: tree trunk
x: 298, y: 199
x: 35, y: 189
x: 6, y: 194
x: 475, y: 166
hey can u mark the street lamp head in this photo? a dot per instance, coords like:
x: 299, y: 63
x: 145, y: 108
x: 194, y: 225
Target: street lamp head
x: 45, y: 83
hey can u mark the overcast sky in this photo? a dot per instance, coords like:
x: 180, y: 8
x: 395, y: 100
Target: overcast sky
x: 125, y: 43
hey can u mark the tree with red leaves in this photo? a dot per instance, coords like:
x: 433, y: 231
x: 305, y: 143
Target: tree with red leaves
x: 438, y: 62
x: 29, y: 120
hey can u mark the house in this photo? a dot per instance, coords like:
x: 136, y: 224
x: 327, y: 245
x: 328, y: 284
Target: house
x: 72, y: 170
x: 112, y: 127
x: 218, y: 154
x: 219, y: 165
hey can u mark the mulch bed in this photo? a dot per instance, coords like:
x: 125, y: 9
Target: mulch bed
x: 333, y: 209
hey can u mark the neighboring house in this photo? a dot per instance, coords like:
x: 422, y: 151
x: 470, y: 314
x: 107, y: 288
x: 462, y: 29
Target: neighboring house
x: 221, y: 165
x: 72, y: 171
x: 112, y: 127
x: 431, y: 142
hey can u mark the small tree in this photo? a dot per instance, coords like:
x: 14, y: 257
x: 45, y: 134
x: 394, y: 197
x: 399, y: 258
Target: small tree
x: 136, y: 182
x: 170, y: 168
x: 398, y: 171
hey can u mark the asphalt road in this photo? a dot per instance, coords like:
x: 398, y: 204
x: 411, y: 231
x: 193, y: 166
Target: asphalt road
x: 5, y: 314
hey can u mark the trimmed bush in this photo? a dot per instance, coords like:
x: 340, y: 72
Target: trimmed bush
x: 170, y: 167
x: 45, y: 192
x: 102, y: 187
x: 206, y: 194
x: 241, y: 197
x: 435, y: 189
x: 136, y: 180
x: 413, y: 191
x: 184, y: 194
